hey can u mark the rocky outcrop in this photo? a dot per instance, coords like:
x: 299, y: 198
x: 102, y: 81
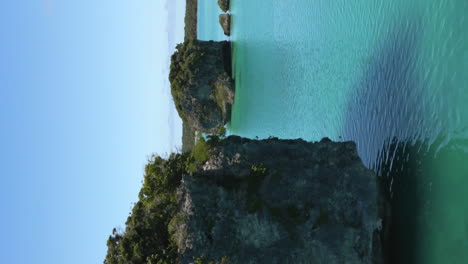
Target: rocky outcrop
x: 224, y: 5
x: 225, y: 22
x: 201, y: 85
x: 280, y: 201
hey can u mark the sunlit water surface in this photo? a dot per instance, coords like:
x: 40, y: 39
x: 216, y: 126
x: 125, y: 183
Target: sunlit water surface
x: 389, y: 75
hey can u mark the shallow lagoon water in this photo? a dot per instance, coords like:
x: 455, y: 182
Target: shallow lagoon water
x: 390, y: 75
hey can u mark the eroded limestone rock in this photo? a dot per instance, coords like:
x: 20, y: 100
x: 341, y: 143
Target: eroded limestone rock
x: 201, y: 85
x: 281, y: 201
x: 224, y: 5
x: 225, y: 22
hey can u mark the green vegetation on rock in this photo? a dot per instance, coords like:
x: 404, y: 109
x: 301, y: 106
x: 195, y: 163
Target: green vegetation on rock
x: 201, y: 150
x: 202, y: 90
x: 154, y: 232
x: 188, y: 137
x: 191, y: 17
x: 256, y: 201
x: 147, y: 236
x: 202, y: 260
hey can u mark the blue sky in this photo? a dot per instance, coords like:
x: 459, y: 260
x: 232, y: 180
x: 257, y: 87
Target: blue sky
x: 83, y: 102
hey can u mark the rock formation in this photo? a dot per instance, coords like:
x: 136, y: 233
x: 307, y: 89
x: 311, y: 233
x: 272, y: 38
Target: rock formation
x: 280, y: 201
x: 224, y: 5
x: 225, y: 22
x: 201, y: 85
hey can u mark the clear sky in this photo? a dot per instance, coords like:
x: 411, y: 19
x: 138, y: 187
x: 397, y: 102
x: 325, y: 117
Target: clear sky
x: 83, y: 102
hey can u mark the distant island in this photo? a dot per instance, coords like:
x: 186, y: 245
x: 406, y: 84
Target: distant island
x: 190, y: 29
x: 191, y: 18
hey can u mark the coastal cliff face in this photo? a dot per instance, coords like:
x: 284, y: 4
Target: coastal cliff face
x: 279, y: 201
x: 225, y: 22
x: 201, y: 85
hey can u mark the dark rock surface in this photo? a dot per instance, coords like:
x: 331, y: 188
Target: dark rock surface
x: 224, y: 5
x: 201, y: 85
x: 280, y: 201
x: 225, y: 22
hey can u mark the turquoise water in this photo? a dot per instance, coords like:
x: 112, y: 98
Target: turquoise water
x: 208, y: 27
x: 390, y: 75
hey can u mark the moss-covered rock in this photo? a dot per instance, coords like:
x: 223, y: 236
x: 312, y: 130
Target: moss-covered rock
x: 255, y: 201
x: 201, y: 85
x: 282, y: 201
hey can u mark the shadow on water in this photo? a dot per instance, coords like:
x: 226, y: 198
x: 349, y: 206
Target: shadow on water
x: 407, y: 189
x: 386, y: 119
x: 227, y: 57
